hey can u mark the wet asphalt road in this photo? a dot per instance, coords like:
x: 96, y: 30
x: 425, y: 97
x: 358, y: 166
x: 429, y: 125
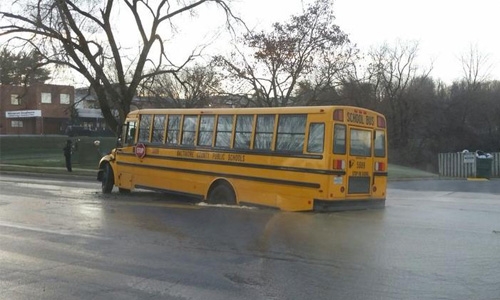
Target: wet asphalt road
x: 63, y: 239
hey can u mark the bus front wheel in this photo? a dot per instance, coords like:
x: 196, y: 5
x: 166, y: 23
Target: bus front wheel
x: 108, y: 179
x: 223, y: 193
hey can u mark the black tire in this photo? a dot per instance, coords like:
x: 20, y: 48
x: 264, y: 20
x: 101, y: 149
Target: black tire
x: 108, y: 179
x: 222, y: 194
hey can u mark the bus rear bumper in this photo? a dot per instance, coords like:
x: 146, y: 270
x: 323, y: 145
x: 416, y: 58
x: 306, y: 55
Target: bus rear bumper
x: 344, y: 205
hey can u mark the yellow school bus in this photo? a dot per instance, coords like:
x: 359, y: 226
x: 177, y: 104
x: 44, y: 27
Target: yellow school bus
x: 291, y: 158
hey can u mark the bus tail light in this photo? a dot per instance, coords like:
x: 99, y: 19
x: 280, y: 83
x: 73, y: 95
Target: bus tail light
x: 380, y: 122
x: 379, y: 166
x: 338, y: 115
x: 339, y: 164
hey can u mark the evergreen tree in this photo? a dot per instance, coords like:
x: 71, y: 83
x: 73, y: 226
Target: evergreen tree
x: 21, y: 68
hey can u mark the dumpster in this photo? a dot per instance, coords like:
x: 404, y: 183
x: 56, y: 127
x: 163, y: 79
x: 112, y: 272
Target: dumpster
x: 484, y: 162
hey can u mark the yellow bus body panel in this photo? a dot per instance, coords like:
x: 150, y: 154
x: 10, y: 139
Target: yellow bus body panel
x: 272, y: 179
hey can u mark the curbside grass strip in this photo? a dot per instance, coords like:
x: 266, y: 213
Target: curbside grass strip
x: 31, y: 170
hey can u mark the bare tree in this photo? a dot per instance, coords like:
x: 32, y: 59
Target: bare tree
x: 191, y: 87
x: 472, y: 103
x: 476, y: 67
x: 326, y: 82
x: 80, y: 34
x: 392, y: 71
x: 287, y: 54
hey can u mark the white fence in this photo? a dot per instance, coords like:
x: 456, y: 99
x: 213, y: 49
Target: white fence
x: 464, y: 165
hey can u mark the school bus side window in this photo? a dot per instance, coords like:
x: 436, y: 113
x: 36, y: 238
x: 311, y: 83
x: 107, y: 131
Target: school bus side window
x: 173, y: 129
x: 130, y: 133
x: 264, y: 132
x: 291, y: 133
x: 189, y: 130
x: 379, y: 143
x: 339, y: 134
x: 316, y: 140
x: 243, y: 135
x: 144, y: 127
x: 224, y: 131
x: 206, y: 130
x: 158, y: 129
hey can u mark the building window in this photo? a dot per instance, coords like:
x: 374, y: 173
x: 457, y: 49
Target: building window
x: 64, y: 99
x: 46, y: 98
x: 16, y: 123
x: 14, y: 99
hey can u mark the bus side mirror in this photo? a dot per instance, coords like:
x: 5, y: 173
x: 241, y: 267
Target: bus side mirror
x: 119, y: 143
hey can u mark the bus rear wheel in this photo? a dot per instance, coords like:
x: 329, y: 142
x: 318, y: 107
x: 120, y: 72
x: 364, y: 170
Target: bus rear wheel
x: 223, y: 193
x: 108, y: 179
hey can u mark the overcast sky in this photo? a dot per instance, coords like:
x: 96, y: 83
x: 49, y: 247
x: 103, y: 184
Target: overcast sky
x: 444, y: 29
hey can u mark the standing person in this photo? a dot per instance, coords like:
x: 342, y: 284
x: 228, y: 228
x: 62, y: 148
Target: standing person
x: 67, y: 154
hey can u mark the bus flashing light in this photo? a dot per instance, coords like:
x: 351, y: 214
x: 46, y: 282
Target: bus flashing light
x: 338, y: 115
x: 380, y: 122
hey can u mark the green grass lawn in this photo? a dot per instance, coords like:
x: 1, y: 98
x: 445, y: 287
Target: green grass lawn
x: 47, y: 151
x: 396, y: 171
x: 41, y: 160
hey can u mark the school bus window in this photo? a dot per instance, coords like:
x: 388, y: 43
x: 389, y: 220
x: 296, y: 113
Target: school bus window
x: 206, y: 130
x: 173, y: 129
x: 243, y: 135
x: 144, y: 127
x: 158, y: 129
x: 291, y: 133
x: 361, y: 142
x: 379, y: 143
x: 316, y: 139
x: 224, y: 131
x: 264, y: 132
x: 339, y: 136
x: 129, y: 133
x: 189, y: 130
